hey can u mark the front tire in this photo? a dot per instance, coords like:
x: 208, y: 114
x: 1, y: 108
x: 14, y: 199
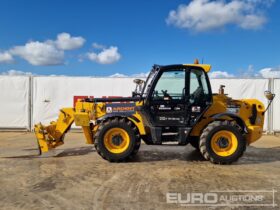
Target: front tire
x: 222, y: 142
x: 117, y: 140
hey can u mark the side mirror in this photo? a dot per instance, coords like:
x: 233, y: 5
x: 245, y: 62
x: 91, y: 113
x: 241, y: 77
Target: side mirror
x: 138, y: 89
x: 269, y: 96
x: 138, y: 81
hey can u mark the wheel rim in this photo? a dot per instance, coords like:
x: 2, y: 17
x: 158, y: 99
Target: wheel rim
x: 116, y: 140
x: 224, y: 143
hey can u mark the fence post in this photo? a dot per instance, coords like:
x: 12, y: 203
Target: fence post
x: 270, y: 110
x: 29, y: 104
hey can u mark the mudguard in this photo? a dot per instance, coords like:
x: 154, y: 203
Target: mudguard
x: 238, y: 119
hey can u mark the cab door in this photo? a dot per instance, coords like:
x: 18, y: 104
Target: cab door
x: 199, y: 97
x: 167, y: 100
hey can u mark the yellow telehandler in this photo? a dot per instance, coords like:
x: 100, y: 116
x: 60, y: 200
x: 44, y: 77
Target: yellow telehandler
x: 175, y: 103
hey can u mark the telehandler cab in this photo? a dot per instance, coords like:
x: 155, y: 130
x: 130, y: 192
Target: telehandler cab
x: 176, y: 104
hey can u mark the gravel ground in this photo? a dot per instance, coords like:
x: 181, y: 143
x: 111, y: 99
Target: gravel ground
x: 74, y: 176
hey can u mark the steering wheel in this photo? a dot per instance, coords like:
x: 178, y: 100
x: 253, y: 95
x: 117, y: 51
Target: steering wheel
x: 165, y: 94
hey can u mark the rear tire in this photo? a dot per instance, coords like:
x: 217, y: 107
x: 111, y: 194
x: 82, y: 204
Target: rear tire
x: 117, y: 140
x: 222, y: 142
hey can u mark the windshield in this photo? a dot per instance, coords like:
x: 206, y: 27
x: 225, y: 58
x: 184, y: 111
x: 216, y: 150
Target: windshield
x: 171, y: 85
x: 148, y: 82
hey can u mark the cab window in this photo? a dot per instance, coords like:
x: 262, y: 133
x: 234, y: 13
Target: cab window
x: 170, y: 86
x: 199, y: 91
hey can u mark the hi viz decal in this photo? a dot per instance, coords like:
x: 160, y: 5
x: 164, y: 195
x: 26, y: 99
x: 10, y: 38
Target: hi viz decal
x: 120, y: 109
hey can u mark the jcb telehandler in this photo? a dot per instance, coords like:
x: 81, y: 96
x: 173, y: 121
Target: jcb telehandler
x: 175, y: 103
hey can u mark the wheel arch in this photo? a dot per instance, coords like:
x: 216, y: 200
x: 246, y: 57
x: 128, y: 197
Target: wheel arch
x: 133, y: 119
x: 239, y: 120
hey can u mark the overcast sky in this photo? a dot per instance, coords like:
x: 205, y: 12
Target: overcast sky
x: 109, y: 37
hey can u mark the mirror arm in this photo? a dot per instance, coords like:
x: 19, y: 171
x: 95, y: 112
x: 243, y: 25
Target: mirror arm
x: 270, y: 101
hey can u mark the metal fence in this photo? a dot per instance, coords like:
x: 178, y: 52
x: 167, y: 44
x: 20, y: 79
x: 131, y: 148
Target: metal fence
x: 26, y: 100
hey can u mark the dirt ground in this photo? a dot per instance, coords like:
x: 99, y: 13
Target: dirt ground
x: 75, y: 177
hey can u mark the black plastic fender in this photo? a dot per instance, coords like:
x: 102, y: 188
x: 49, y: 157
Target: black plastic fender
x: 238, y: 119
x: 105, y: 117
